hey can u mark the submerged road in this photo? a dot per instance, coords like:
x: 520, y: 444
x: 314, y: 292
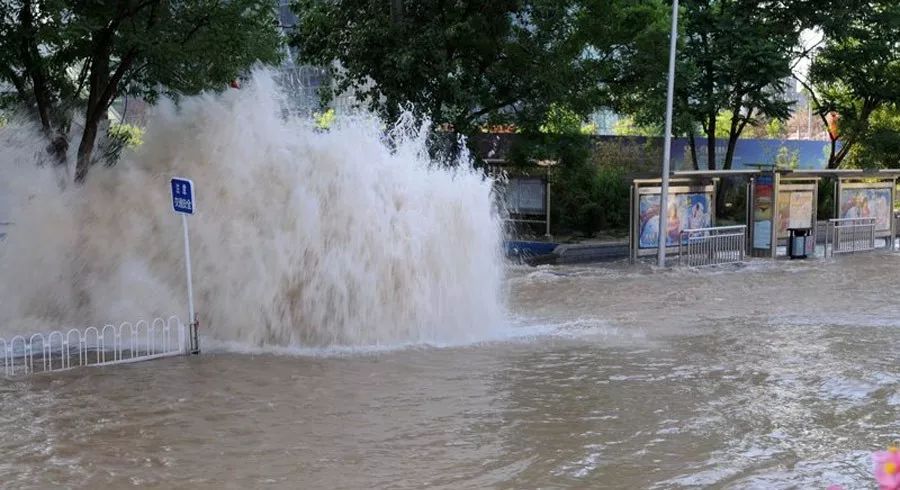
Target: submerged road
x: 771, y: 375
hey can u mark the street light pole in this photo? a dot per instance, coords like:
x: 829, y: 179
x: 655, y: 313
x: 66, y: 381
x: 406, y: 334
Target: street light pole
x: 667, y: 149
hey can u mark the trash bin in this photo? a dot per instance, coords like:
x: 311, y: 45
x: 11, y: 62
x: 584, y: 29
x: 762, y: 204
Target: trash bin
x: 797, y: 242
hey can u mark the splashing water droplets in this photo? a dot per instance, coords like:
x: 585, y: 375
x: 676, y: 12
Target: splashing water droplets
x: 300, y: 238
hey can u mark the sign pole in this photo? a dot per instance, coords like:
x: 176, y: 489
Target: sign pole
x: 195, y: 348
x: 183, y: 203
x: 667, y: 150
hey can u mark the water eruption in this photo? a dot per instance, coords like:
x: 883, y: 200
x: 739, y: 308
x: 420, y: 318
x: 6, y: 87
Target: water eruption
x: 301, y: 238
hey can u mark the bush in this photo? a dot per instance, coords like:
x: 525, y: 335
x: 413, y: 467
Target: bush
x: 585, y: 197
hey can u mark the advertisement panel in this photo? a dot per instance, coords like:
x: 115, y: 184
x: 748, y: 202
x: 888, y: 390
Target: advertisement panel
x: 867, y: 201
x: 687, y: 210
x: 763, y: 202
x: 795, y: 210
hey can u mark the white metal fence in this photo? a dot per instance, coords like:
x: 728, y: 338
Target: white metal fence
x: 92, y: 346
x: 711, y: 246
x: 849, y: 235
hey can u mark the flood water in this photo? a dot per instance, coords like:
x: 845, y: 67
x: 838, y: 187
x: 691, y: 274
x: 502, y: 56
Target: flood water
x: 777, y: 375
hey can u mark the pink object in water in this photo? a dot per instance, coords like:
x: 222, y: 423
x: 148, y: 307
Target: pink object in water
x: 887, y: 469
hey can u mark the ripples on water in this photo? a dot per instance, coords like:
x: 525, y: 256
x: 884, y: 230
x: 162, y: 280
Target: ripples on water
x: 768, y: 376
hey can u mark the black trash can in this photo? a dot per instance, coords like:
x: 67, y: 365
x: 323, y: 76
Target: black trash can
x: 797, y: 242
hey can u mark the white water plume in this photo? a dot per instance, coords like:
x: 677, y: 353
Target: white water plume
x: 301, y: 238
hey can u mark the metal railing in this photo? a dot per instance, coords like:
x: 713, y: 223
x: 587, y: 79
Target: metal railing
x: 111, y: 344
x: 848, y: 235
x: 712, y: 246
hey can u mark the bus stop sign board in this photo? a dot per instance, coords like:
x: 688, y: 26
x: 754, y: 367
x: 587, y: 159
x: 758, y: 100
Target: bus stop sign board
x: 183, y: 195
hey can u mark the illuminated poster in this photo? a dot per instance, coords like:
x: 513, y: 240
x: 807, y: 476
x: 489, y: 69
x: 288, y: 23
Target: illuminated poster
x: 870, y: 202
x: 763, y: 194
x: 686, y: 211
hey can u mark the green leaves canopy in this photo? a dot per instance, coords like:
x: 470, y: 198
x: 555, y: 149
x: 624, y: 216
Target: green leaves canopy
x: 468, y: 63
x: 857, y: 72
x: 65, y: 56
x: 733, y: 58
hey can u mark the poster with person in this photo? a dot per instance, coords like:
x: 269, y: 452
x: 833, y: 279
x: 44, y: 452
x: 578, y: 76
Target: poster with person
x: 686, y: 211
x: 871, y: 202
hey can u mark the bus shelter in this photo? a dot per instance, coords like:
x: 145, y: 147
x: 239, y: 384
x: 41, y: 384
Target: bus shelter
x: 780, y: 202
x: 691, y: 205
x: 527, y: 201
x: 863, y: 214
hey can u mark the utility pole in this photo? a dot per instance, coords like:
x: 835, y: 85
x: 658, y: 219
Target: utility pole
x: 667, y: 150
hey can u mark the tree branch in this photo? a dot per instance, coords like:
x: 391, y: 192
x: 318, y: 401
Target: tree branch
x: 806, y: 52
x: 82, y: 77
x: 17, y: 80
x: 112, y: 84
x: 486, y: 110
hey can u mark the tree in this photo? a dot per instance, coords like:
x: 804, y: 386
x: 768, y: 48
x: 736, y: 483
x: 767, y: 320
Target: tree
x: 880, y: 145
x: 65, y: 56
x: 465, y: 64
x: 856, y: 72
x: 733, y: 60
x: 562, y: 121
x: 28, y: 61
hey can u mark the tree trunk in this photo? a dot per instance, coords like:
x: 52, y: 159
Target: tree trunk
x: 838, y: 158
x: 98, y: 81
x: 725, y: 184
x: 86, y: 147
x: 692, y: 142
x: 729, y: 151
x: 833, y: 163
x: 59, y: 147
x: 34, y: 70
x: 711, y: 143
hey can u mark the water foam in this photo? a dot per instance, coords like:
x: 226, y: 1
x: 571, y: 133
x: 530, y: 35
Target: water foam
x: 301, y: 238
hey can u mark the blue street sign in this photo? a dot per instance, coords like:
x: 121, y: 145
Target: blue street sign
x: 182, y: 195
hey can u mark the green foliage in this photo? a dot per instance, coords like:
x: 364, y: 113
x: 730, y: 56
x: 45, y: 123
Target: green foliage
x: 879, y: 145
x: 68, y: 56
x: 129, y: 135
x: 560, y: 120
x: 787, y: 159
x: 775, y: 128
x: 586, y: 196
x: 324, y: 120
x: 120, y: 136
x: 856, y: 73
x: 626, y: 126
x: 723, y: 124
x: 732, y: 63
x: 467, y: 64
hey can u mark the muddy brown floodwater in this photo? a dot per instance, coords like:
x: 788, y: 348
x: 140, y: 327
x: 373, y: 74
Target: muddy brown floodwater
x: 767, y: 376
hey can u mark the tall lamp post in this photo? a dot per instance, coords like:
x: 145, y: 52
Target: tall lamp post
x: 667, y: 149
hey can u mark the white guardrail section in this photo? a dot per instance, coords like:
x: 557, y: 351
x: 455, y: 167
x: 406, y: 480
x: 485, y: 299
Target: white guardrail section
x: 849, y: 235
x: 92, y: 346
x: 711, y: 246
